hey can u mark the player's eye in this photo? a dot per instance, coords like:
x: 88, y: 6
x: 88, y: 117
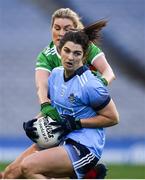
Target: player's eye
x: 67, y: 28
x: 66, y: 50
x: 57, y: 28
x: 77, y: 53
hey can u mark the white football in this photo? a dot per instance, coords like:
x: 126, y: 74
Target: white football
x: 46, y: 138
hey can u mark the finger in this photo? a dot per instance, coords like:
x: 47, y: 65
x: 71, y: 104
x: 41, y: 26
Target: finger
x: 54, y: 123
x: 35, y: 136
x: 64, y: 116
x: 32, y: 136
x: 34, y: 140
x: 24, y: 125
x: 61, y: 136
x: 30, y: 129
x: 30, y: 123
x: 34, y: 120
x: 52, y: 116
x: 57, y: 130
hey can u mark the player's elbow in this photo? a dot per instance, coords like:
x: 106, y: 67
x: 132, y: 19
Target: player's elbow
x: 111, y: 77
x: 115, y: 119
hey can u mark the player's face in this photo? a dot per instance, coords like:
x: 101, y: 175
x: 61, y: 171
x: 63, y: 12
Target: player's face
x: 59, y: 28
x: 72, y: 57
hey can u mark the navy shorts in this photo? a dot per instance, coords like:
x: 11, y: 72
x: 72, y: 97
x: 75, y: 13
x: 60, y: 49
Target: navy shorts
x: 82, y: 158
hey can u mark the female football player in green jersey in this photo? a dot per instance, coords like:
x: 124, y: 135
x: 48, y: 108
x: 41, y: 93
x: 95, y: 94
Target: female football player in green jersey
x: 63, y: 20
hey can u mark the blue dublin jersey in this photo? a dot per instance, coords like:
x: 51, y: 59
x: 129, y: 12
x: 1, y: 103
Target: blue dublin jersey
x: 81, y: 96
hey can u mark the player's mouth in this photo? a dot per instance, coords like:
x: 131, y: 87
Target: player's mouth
x: 69, y: 64
x: 59, y: 39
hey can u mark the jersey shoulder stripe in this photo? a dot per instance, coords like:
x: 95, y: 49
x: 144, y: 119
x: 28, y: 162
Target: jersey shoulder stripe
x: 49, y: 51
x: 82, y: 79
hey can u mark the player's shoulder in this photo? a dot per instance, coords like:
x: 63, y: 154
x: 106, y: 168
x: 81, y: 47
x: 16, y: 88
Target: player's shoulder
x: 92, y: 80
x: 56, y: 73
x: 57, y: 70
x: 49, y: 49
x: 85, y: 77
x: 93, y: 47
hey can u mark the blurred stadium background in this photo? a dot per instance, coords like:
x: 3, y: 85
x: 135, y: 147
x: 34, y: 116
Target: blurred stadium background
x: 25, y: 31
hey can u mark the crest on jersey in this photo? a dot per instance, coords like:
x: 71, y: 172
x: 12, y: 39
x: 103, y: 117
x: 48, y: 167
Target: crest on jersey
x: 72, y: 98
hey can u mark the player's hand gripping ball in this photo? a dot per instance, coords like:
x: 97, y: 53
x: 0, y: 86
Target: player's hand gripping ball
x: 46, y: 138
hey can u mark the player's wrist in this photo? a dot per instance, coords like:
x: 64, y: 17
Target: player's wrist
x: 48, y: 110
x: 78, y: 124
x: 45, y: 104
x: 104, y: 80
x: 44, y: 108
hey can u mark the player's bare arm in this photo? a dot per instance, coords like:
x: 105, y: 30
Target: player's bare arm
x: 41, y: 78
x: 106, y: 117
x: 101, y: 64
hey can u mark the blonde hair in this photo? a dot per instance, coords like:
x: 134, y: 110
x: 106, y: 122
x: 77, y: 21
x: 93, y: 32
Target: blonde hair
x: 69, y: 14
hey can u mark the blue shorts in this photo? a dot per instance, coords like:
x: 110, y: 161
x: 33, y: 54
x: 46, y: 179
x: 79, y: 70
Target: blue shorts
x: 82, y: 158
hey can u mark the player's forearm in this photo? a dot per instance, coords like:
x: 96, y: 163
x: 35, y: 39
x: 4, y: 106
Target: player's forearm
x: 99, y: 121
x: 108, y: 75
x: 101, y: 64
x: 106, y: 117
x: 42, y: 94
x: 41, y: 80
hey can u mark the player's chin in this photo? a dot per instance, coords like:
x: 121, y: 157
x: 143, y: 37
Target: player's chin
x: 68, y: 66
x: 68, y: 69
x: 56, y: 42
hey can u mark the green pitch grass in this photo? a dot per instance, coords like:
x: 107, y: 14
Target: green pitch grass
x: 2, y: 166
x: 117, y: 171
x: 126, y: 171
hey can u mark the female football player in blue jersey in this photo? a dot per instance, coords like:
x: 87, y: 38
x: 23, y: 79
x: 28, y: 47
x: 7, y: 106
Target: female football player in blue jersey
x: 85, y: 107
x: 63, y: 20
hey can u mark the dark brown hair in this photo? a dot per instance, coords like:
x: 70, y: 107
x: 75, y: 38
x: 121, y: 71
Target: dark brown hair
x: 84, y: 36
x: 77, y: 37
x: 93, y: 30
